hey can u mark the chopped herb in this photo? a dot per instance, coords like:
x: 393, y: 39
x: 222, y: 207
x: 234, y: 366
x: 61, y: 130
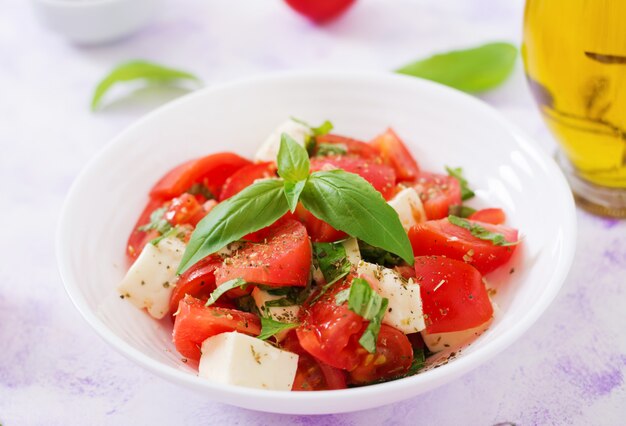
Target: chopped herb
x: 419, y: 360
x: 223, y: 288
x: 457, y: 173
x: 325, y: 149
x: 461, y: 211
x: 157, y: 221
x: 371, y: 306
x: 270, y: 327
x: 320, y: 130
x: 377, y: 255
x: 332, y: 261
x: 201, y: 189
x: 255, y: 355
x: 480, y: 232
x: 282, y: 302
x: 247, y: 304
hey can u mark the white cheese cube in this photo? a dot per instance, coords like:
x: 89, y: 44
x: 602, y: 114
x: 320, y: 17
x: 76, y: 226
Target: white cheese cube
x: 409, y: 207
x: 405, y: 302
x: 353, y: 254
x: 454, y: 339
x: 150, y: 281
x: 269, y: 149
x: 238, y: 359
x: 287, y: 314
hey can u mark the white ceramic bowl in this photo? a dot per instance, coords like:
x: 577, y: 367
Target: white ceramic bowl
x: 95, y: 21
x: 440, y: 125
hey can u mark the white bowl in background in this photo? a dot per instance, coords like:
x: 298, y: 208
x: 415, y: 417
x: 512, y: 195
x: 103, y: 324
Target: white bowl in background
x: 440, y: 125
x: 95, y: 21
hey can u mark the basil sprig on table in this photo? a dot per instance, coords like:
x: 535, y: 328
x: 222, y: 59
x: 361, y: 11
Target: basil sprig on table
x: 345, y: 200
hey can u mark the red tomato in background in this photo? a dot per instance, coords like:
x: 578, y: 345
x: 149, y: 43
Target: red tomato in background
x: 440, y: 237
x: 331, y: 332
x: 380, y: 176
x: 320, y: 10
x: 493, y: 216
x: 197, y: 281
x: 353, y: 147
x: 284, y: 260
x: 395, y: 153
x: 393, y: 357
x: 438, y: 193
x: 318, y: 230
x: 195, y: 323
x: 138, y: 239
x: 454, y: 297
x: 245, y: 177
x: 185, y: 209
x: 212, y: 171
x: 312, y: 374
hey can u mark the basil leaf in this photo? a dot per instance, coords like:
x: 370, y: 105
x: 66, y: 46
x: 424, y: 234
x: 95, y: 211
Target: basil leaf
x: 138, y: 70
x: 282, y: 302
x: 269, y: 327
x: 372, y: 254
x: 257, y: 206
x: 326, y: 149
x: 457, y: 173
x: 293, y: 160
x: 342, y: 297
x: 419, y: 360
x: 332, y: 260
x: 471, y: 70
x: 175, y: 231
x: 321, y: 130
x: 480, y: 232
x: 370, y: 305
x: 157, y: 221
x: 461, y: 211
x: 223, y: 288
x: 349, y: 203
x: 292, y: 193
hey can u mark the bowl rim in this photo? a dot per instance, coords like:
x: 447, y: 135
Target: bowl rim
x: 430, y: 379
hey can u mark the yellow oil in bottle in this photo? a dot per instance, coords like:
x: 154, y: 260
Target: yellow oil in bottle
x: 575, y: 59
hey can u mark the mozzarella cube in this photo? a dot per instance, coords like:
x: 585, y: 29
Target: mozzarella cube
x: 151, y: 279
x: 269, y: 149
x: 353, y: 254
x: 437, y: 342
x: 405, y: 302
x: 408, y: 205
x: 238, y: 359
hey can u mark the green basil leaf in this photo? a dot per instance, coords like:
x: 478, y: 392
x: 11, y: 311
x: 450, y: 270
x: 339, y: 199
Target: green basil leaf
x: 223, y: 288
x: 342, y: 297
x: 292, y: 193
x: 481, y: 232
x: 372, y: 254
x: 293, y: 160
x: 457, y: 173
x: 365, y: 302
x: 332, y: 260
x: 472, y: 70
x: 201, y: 189
x: 321, y: 130
x: 138, y: 70
x: 370, y: 335
x: 269, y: 327
x: 326, y: 149
x: 157, y: 221
x: 282, y: 302
x: 175, y: 231
x: 419, y: 361
x: 349, y: 203
x: 257, y: 206
x: 461, y: 211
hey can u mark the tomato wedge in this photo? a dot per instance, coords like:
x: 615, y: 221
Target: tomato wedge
x: 212, y: 171
x: 493, y: 216
x: 185, y: 209
x: 284, y: 260
x: 197, y: 281
x: 395, y: 153
x: 440, y: 237
x: 138, y: 239
x: 438, y: 193
x: 245, y: 177
x: 195, y: 323
x: 381, y: 176
x: 393, y: 357
x: 312, y: 374
x: 352, y: 146
x: 318, y: 230
x: 454, y: 297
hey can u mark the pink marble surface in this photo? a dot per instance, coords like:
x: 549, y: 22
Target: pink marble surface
x: 568, y: 369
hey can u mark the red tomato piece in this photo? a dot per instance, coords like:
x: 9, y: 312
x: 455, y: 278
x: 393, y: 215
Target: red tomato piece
x: 245, y: 176
x: 312, y: 374
x: 185, y: 209
x: 318, y: 230
x: 212, y: 171
x: 284, y: 260
x: 138, y: 239
x: 493, y: 216
x: 320, y: 10
x: 197, y: 281
x: 393, y: 357
x: 454, y: 297
x: 395, y: 153
x: 440, y: 237
x: 438, y: 193
x: 195, y: 323
x: 381, y: 176
x: 353, y: 147
x: 331, y: 332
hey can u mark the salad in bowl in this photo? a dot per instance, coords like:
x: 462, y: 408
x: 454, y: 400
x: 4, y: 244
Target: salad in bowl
x: 324, y: 262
